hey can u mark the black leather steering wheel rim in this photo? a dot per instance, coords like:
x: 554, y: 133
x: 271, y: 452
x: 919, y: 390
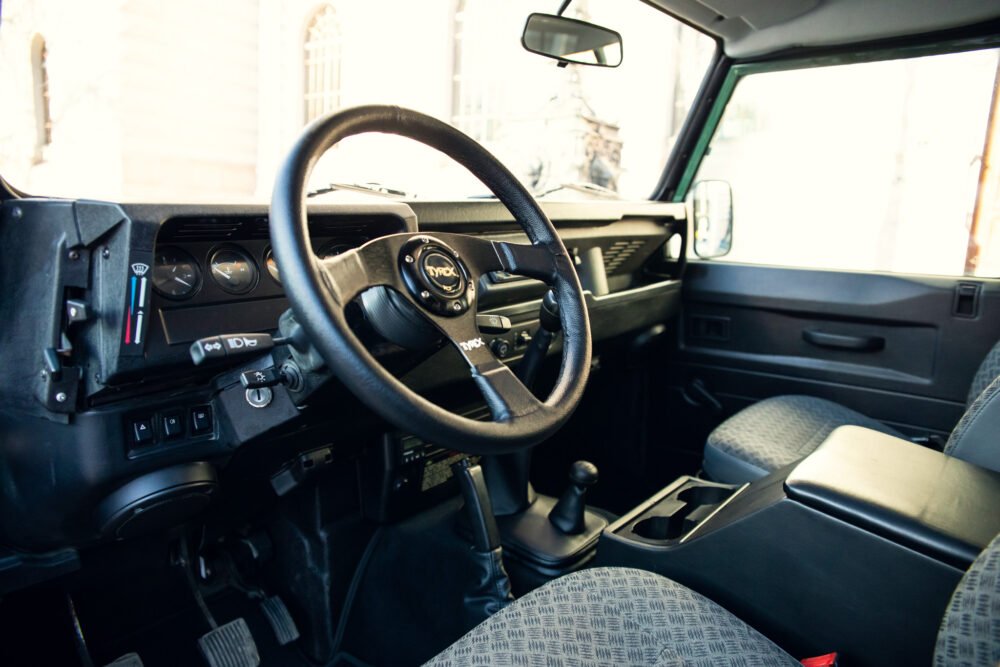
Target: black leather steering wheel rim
x: 320, y: 289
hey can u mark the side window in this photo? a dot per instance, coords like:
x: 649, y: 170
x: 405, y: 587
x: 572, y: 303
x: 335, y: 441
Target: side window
x: 877, y: 166
x: 322, y: 60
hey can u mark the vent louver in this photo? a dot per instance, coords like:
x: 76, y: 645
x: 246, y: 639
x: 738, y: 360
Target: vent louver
x: 620, y: 252
x: 236, y: 227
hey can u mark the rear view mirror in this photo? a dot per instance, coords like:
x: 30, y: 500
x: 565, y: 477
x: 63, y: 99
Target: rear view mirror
x: 572, y: 41
x: 710, y: 206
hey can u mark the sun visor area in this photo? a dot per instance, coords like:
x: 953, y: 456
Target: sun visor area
x: 757, y: 28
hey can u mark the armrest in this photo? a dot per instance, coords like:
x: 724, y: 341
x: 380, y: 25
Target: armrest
x: 934, y: 503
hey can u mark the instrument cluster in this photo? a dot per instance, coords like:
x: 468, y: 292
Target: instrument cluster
x: 178, y: 275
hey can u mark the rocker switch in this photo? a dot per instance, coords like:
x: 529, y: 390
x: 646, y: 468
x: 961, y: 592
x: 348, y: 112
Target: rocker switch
x: 201, y: 419
x: 142, y: 431
x: 173, y: 425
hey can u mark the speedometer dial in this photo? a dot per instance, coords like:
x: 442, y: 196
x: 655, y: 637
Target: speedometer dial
x: 233, y: 270
x: 175, y: 273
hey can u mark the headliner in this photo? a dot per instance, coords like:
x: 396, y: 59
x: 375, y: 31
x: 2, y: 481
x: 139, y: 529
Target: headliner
x: 749, y: 28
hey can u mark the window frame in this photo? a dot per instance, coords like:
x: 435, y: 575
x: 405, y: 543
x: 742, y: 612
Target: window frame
x: 739, y: 70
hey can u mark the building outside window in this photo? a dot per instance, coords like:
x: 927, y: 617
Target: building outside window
x: 322, y: 64
x: 40, y: 83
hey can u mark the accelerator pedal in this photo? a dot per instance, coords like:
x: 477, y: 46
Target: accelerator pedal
x: 127, y: 660
x: 230, y: 645
x: 281, y: 620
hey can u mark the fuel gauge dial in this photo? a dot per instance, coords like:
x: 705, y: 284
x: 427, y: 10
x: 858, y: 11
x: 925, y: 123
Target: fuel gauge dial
x: 233, y: 270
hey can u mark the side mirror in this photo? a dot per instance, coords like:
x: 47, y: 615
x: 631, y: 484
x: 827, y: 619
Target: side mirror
x: 710, y: 206
x: 572, y: 41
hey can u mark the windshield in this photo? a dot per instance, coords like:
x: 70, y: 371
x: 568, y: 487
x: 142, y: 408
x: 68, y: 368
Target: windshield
x: 192, y: 101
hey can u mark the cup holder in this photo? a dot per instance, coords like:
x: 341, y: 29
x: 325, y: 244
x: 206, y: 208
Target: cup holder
x: 659, y: 527
x: 676, y: 514
x: 704, y: 495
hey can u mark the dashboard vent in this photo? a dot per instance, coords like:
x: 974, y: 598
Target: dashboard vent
x: 255, y: 227
x: 616, y: 256
x: 324, y: 226
x: 208, y: 229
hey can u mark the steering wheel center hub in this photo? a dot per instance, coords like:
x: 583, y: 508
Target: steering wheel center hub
x: 436, y: 276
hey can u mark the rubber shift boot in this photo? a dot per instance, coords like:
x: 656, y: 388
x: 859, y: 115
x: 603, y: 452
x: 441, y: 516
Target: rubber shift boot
x: 491, y: 591
x: 230, y: 645
x: 280, y: 619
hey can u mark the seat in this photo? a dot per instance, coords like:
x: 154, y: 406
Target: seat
x: 621, y: 616
x: 613, y: 616
x: 781, y: 430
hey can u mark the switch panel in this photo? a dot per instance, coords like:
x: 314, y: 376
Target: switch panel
x: 173, y: 424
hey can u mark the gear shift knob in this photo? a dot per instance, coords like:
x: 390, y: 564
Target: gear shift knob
x: 568, y: 513
x: 583, y: 473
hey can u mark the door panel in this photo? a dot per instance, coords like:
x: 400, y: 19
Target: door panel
x: 889, y: 346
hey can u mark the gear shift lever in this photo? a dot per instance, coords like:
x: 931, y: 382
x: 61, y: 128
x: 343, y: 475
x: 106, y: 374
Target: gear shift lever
x: 567, y: 515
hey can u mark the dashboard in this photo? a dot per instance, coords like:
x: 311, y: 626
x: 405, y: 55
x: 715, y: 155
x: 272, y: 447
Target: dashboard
x: 109, y: 430
x: 216, y: 274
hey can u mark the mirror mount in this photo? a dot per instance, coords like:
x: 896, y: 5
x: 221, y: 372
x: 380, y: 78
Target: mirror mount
x: 563, y: 7
x: 571, y: 41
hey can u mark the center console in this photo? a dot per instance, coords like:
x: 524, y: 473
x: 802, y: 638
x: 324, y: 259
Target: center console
x: 856, y: 549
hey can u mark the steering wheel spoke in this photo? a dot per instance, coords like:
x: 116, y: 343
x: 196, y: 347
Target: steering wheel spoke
x: 371, y: 265
x: 506, y: 396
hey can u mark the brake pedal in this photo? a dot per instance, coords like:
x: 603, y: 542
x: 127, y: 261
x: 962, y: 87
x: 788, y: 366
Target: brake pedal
x: 230, y: 645
x: 280, y: 619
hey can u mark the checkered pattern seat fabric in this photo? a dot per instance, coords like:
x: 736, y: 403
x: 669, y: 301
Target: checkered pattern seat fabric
x: 775, y: 432
x: 970, y: 630
x: 782, y: 430
x: 613, y: 616
x: 622, y: 616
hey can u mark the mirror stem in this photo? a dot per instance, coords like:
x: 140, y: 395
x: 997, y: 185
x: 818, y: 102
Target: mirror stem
x: 563, y: 7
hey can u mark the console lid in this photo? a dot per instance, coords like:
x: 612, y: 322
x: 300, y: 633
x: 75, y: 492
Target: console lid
x: 936, y: 504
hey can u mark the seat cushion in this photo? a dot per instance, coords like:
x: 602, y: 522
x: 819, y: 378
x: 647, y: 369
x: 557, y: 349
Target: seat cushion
x: 613, y: 616
x: 775, y: 432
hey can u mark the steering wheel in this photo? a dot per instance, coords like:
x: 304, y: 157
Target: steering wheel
x: 438, y: 275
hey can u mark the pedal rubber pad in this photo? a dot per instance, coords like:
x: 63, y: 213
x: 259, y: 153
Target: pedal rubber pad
x: 127, y: 660
x: 230, y: 645
x: 281, y: 621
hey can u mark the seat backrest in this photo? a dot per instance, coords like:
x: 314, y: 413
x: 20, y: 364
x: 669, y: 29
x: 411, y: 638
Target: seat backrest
x: 976, y: 439
x: 988, y: 371
x: 970, y: 630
